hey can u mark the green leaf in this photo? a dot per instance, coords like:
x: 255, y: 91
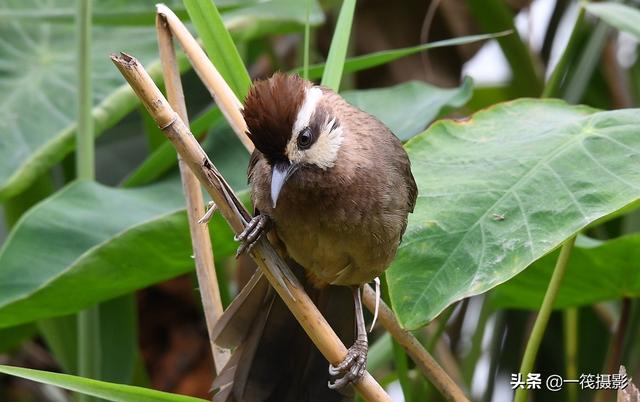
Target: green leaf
x: 501, y: 190
x: 106, y: 390
x: 219, y: 45
x: 620, y: 16
x: 597, y: 271
x: 90, y: 243
x: 164, y: 157
x: 409, y: 107
x: 39, y: 90
x: 11, y: 338
x: 496, y: 15
x: 274, y: 16
x: 339, y: 44
x: 359, y: 63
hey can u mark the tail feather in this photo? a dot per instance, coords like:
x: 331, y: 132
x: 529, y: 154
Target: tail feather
x: 275, y: 361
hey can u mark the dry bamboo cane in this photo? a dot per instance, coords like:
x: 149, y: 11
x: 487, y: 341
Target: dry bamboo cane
x: 201, y: 242
x: 229, y: 104
x: 236, y: 215
x: 423, y: 360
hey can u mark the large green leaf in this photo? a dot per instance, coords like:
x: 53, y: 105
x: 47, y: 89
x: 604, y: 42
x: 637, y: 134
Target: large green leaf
x: 90, y: 243
x: 38, y: 83
x: 501, y: 190
x: 620, y: 16
x: 38, y: 70
x: 596, y: 272
x: 106, y: 390
x: 407, y: 108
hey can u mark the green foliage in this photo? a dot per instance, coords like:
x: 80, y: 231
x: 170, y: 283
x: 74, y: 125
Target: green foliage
x: 106, y: 390
x: 621, y: 16
x: 615, y: 263
x: 337, y: 54
x: 90, y: 243
x: 503, y: 189
x: 421, y: 101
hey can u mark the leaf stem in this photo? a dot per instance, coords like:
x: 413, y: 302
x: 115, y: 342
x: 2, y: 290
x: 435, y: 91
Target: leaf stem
x: 570, y: 321
x: 543, y: 316
x: 84, y: 134
x: 89, y: 319
x: 552, y: 88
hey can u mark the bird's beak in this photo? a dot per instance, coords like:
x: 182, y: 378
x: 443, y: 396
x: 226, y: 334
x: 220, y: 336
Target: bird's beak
x: 280, y: 172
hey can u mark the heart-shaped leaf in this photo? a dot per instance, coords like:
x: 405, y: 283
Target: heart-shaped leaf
x: 501, y: 190
x: 597, y: 271
x: 409, y: 107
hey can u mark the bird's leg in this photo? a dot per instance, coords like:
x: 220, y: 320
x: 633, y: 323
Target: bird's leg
x: 352, y: 368
x: 258, y: 225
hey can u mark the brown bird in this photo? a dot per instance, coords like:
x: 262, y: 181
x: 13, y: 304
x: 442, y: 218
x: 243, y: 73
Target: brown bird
x: 333, y: 186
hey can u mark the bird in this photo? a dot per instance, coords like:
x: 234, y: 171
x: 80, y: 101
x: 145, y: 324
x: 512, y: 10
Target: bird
x: 332, y: 189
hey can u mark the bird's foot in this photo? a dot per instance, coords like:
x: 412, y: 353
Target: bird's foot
x: 256, y: 227
x: 352, y: 368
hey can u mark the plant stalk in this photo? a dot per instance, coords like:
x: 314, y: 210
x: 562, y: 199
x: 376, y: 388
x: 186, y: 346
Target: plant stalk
x: 552, y: 88
x: 200, y: 239
x: 543, y: 316
x: 570, y: 323
x: 89, y: 319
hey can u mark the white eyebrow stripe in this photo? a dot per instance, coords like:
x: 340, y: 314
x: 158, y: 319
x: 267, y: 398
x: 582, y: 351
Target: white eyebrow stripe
x: 311, y: 97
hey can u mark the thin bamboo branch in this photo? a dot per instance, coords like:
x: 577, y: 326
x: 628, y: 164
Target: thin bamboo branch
x: 236, y: 215
x: 201, y: 242
x: 217, y: 86
x: 429, y: 367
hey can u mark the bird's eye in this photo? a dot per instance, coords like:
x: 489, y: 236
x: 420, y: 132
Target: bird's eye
x: 305, y: 138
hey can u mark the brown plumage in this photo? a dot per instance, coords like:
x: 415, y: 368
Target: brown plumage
x: 337, y: 187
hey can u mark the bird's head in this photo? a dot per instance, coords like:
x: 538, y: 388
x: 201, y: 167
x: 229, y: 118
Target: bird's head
x: 292, y: 125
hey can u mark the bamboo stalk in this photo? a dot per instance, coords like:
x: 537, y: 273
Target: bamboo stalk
x: 423, y: 360
x: 217, y: 86
x: 201, y: 242
x: 236, y: 215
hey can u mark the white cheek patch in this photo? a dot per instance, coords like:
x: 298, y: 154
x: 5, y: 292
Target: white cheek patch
x: 324, y: 152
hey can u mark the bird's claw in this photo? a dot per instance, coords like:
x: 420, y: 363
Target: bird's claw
x: 352, y: 368
x: 251, y: 233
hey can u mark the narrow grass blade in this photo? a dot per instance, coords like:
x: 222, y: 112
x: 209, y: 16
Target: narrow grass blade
x: 338, y: 51
x: 219, y: 45
x: 358, y: 63
x: 101, y: 389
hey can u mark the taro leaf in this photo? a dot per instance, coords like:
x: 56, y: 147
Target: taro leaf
x: 620, y: 16
x: 501, y: 190
x: 106, y: 390
x: 38, y: 70
x: 409, y: 107
x: 89, y: 243
x: 38, y: 83
x: 597, y: 271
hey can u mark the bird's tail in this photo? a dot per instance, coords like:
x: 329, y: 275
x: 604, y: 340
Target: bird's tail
x: 274, y: 360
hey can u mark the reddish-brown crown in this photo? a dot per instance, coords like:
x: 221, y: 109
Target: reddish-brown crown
x: 270, y: 111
